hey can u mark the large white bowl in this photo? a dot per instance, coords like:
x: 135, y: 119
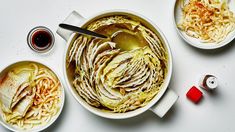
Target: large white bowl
x: 177, y: 14
x: 167, y: 96
x: 53, y: 119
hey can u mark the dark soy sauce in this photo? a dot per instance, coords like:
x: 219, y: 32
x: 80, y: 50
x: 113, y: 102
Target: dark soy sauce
x: 41, y: 40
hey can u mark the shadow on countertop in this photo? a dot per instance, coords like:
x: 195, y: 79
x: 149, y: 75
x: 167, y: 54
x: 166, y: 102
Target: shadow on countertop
x: 215, y: 52
x: 141, y: 119
x: 124, y: 124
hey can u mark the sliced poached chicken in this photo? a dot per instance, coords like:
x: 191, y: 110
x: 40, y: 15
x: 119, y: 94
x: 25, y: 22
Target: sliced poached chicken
x: 9, y: 87
x: 16, y: 95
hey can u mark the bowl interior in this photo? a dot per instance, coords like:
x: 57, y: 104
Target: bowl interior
x: 40, y: 127
x: 197, y: 42
x: 108, y: 114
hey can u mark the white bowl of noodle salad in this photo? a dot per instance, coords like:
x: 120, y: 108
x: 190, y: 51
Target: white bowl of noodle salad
x: 31, y: 96
x: 205, y: 24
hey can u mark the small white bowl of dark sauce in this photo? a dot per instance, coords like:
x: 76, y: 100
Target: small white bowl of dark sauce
x: 40, y: 39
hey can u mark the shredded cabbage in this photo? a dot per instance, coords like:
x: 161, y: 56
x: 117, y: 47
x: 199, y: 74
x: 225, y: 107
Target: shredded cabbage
x: 108, y: 77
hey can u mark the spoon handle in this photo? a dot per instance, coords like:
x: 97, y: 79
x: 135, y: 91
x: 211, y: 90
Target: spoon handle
x: 81, y: 30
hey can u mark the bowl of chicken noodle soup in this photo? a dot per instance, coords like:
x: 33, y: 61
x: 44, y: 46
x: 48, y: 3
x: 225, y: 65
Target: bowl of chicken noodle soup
x: 31, y: 96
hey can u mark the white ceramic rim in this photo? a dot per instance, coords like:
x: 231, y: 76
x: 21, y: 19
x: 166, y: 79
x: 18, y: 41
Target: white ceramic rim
x: 139, y: 110
x: 54, y: 118
x: 196, y: 42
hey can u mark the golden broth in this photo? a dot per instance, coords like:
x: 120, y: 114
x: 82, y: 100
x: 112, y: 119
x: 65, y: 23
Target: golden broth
x: 130, y: 45
x: 122, y: 35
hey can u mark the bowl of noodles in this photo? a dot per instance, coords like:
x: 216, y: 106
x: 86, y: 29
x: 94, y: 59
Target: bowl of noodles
x: 205, y: 24
x: 31, y: 96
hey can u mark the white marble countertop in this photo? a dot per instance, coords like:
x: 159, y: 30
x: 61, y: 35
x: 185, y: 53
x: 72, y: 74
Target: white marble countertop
x: 216, y: 111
